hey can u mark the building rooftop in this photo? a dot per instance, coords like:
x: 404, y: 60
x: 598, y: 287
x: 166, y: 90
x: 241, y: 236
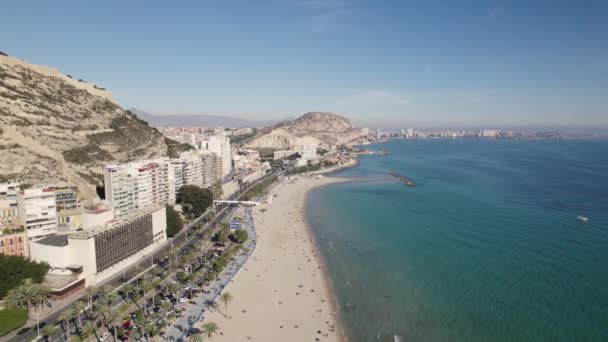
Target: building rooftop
x: 54, y: 240
x: 89, y: 233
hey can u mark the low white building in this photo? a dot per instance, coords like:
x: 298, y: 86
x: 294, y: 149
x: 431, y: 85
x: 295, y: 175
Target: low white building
x: 38, y: 212
x: 97, y: 253
x: 309, y: 151
x: 283, y: 154
x: 8, y: 200
x: 253, y: 176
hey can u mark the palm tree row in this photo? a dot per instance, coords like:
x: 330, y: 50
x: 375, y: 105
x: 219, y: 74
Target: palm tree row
x: 28, y: 295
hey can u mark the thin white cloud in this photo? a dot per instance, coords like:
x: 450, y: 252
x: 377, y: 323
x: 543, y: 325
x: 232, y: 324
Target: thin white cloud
x: 337, y: 16
x: 493, y: 14
x: 319, y: 4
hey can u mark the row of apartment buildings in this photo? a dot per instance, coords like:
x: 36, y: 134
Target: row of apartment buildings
x: 141, y: 184
x: 217, y: 143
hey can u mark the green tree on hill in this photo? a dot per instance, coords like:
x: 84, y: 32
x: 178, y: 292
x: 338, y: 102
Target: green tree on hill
x: 199, y: 198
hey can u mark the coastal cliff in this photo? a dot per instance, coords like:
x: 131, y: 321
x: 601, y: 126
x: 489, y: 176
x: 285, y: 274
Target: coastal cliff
x: 54, y: 128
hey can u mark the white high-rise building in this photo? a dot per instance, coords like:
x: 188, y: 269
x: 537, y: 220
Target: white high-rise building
x: 137, y: 185
x: 211, y: 167
x: 309, y: 151
x: 38, y: 212
x: 189, y: 138
x: 200, y: 168
x: 176, y: 179
x: 220, y: 145
x: 378, y: 133
x: 410, y: 132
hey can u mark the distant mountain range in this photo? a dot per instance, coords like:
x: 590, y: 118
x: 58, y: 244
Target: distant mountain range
x: 204, y: 120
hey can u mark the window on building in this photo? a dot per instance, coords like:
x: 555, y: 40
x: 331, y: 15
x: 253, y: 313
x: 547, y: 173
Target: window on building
x: 10, y: 241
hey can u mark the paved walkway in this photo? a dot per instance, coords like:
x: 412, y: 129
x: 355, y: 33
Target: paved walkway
x: 177, y: 332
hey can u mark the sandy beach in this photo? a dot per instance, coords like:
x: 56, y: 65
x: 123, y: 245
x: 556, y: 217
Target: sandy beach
x: 281, y: 293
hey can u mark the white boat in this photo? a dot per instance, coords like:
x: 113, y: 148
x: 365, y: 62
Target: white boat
x: 582, y: 218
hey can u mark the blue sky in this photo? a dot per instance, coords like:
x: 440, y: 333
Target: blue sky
x: 381, y: 63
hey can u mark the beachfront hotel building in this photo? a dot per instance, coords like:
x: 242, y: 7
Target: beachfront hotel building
x: 137, y: 185
x: 96, y: 253
x: 37, y: 212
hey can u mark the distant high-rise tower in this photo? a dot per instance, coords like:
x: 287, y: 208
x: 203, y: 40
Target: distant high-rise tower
x: 220, y: 145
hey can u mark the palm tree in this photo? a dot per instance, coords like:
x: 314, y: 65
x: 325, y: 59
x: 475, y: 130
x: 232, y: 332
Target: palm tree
x: 172, y: 256
x: 48, y: 331
x: 75, y: 339
x: 90, y: 292
x: 148, y: 329
x: 101, y: 312
x: 127, y: 289
x: 110, y: 298
x: 42, y: 293
x: 146, y: 286
x: 79, y: 307
x: 28, y: 292
x: 166, y: 306
x: 66, y: 316
x: 196, y: 338
x: 210, y: 330
x: 89, y: 328
x: 14, y: 297
x: 110, y: 318
x: 226, y: 298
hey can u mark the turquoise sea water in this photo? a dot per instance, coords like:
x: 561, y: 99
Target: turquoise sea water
x: 486, y: 248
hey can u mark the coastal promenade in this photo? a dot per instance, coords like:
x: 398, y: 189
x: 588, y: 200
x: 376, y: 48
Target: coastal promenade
x: 202, y: 303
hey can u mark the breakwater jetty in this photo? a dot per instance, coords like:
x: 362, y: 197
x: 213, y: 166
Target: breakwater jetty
x: 401, y: 178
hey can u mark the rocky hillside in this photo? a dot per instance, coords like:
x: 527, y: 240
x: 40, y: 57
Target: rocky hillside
x: 326, y: 129
x: 54, y: 128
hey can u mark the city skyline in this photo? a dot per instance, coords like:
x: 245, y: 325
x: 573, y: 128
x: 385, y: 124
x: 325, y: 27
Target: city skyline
x: 382, y: 64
